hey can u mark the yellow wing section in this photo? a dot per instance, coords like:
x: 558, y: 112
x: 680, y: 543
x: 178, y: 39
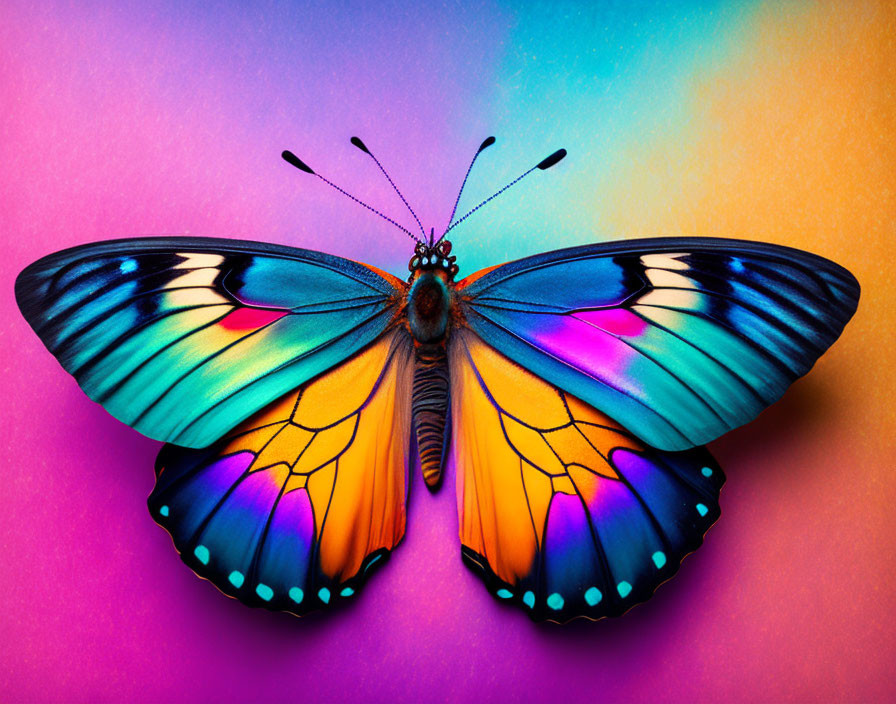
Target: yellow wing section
x: 292, y: 509
x: 561, y: 510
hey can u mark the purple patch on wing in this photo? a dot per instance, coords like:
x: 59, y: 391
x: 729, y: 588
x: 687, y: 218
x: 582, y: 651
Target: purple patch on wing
x: 610, y: 498
x: 286, y: 553
x: 669, y: 499
x: 624, y: 528
x: 220, y: 475
x: 571, y: 562
x: 192, y: 501
x: 237, y: 525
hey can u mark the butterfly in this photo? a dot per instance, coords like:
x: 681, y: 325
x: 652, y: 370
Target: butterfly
x: 572, y: 392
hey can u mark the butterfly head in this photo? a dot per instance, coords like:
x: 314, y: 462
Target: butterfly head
x: 435, y: 257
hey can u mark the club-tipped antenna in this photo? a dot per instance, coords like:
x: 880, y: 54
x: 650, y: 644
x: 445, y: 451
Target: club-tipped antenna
x: 363, y: 147
x: 542, y: 165
x: 489, y: 141
x: 293, y: 160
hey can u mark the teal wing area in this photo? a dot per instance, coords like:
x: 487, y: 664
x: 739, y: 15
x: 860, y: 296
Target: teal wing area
x: 183, y: 338
x: 677, y: 339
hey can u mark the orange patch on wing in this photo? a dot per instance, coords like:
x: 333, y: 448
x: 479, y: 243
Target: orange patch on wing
x: 492, y: 506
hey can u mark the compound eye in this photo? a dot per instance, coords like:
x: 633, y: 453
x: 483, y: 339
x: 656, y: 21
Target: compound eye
x: 444, y: 248
x: 414, y: 263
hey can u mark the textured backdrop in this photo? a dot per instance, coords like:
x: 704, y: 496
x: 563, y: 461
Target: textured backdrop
x: 765, y: 121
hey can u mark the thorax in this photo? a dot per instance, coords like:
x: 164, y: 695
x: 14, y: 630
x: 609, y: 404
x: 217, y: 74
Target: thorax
x: 430, y: 300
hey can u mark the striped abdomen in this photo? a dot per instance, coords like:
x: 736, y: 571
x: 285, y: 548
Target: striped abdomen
x: 430, y: 408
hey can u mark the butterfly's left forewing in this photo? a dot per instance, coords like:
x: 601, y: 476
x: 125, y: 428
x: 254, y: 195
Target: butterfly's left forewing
x: 184, y: 337
x: 293, y: 509
x: 561, y: 510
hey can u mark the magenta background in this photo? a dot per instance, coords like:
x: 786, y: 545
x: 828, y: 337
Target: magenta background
x: 132, y: 121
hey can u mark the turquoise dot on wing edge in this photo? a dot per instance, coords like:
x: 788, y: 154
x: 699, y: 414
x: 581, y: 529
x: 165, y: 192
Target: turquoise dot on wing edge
x: 296, y: 595
x: 164, y: 511
x: 264, y: 591
x: 702, y: 510
x: 529, y: 599
x: 347, y: 591
x: 504, y: 593
x: 624, y: 589
x: 706, y: 472
x: 593, y: 596
x: 659, y: 559
x: 236, y: 578
x: 201, y: 553
x: 324, y: 595
x: 555, y: 601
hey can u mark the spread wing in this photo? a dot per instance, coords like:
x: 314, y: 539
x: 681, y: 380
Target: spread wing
x: 293, y: 509
x: 679, y: 340
x: 561, y: 511
x: 182, y: 338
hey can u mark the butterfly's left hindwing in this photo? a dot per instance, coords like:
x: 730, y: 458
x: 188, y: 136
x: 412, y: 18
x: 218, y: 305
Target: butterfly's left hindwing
x: 295, y: 508
x: 561, y: 510
x: 182, y: 338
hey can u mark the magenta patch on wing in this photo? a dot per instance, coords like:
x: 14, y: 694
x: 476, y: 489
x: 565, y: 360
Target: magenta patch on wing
x: 616, y: 321
x: 589, y: 348
x: 250, y: 318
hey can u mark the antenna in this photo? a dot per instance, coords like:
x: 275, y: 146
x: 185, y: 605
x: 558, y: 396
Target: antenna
x: 292, y: 159
x: 542, y: 165
x: 489, y: 141
x: 363, y: 147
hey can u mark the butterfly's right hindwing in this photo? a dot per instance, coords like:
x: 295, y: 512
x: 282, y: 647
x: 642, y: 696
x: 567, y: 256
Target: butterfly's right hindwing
x: 563, y: 512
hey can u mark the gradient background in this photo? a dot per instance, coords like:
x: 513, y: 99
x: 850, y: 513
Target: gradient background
x: 772, y: 121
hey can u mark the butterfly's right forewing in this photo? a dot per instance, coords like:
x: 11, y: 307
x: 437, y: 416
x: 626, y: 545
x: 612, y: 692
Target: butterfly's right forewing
x: 677, y: 339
